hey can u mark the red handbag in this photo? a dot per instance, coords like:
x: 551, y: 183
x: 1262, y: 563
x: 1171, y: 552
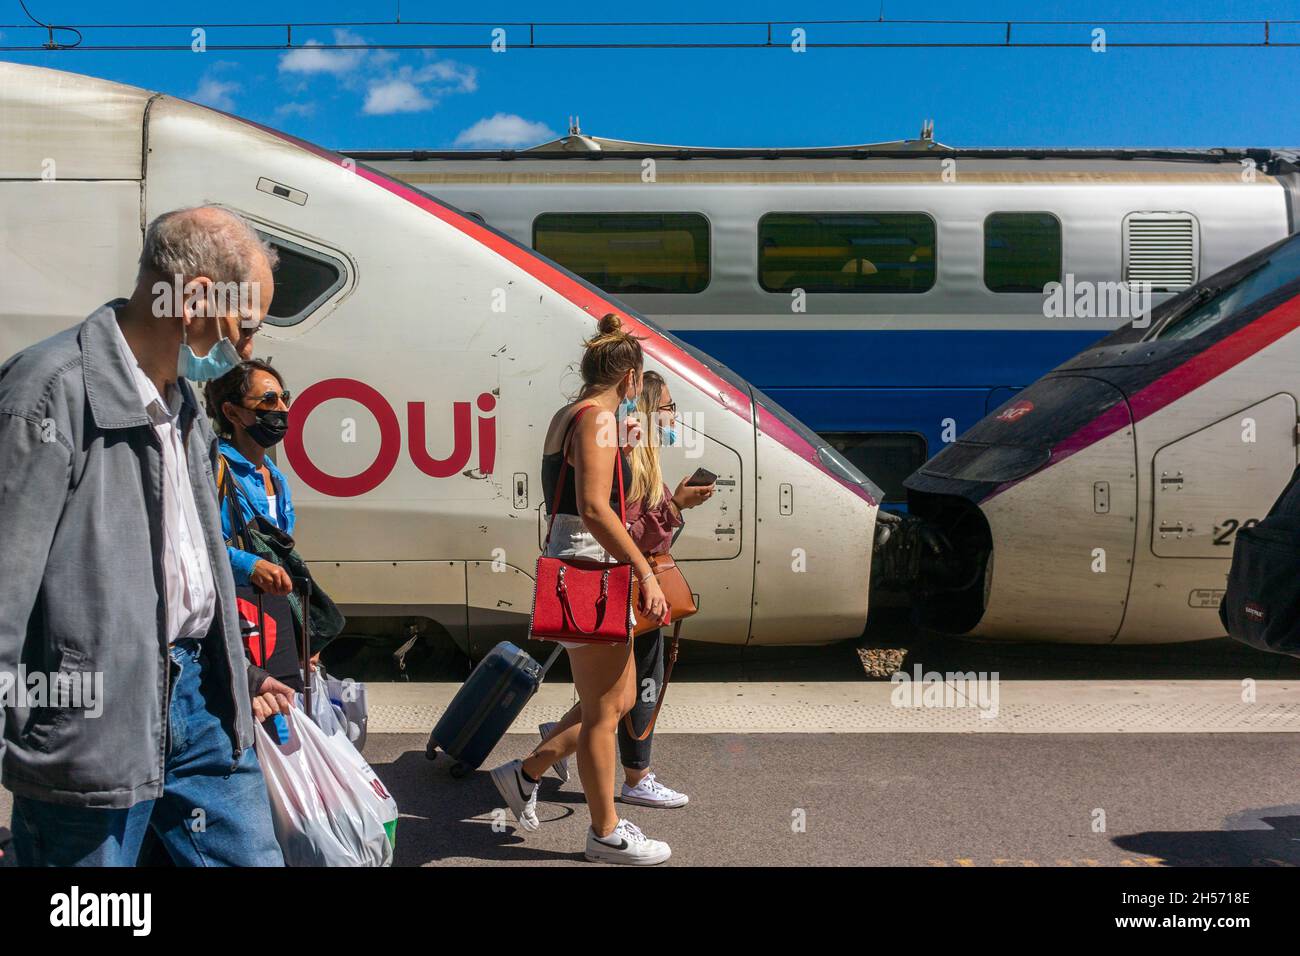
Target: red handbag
x: 578, y: 599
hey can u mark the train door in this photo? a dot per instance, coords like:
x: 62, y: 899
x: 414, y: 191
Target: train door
x: 1208, y: 485
x: 1205, y: 487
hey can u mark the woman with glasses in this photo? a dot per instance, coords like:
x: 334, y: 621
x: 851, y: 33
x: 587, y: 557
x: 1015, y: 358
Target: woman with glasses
x: 249, y: 407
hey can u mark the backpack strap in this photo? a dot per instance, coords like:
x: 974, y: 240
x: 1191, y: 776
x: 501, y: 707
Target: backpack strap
x: 228, y: 494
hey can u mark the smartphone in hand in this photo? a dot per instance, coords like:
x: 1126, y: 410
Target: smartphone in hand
x: 702, y: 476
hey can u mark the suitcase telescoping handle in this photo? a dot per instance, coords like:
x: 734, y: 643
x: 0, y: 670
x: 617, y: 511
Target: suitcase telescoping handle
x: 549, y: 661
x: 305, y: 650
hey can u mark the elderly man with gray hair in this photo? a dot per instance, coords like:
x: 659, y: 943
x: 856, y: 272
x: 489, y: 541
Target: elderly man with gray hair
x: 115, y: 589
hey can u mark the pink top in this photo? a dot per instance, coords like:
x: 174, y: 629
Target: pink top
x: 652, y: 528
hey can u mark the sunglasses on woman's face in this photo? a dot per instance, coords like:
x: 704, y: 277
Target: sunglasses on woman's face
x: 267, y: 401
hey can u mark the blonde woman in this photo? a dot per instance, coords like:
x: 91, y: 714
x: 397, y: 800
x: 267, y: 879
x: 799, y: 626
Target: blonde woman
x: 654, y: 519
x: 585, y: 433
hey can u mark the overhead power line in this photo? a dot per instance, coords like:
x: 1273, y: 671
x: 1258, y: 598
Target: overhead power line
x: 771, y: 34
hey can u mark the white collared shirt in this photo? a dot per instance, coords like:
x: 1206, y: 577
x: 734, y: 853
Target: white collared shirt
x: 191, y: 597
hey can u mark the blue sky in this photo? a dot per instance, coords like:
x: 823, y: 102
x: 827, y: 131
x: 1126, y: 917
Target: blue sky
x: 771, y: 97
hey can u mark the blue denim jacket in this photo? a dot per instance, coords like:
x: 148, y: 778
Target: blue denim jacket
x: 250, y: 498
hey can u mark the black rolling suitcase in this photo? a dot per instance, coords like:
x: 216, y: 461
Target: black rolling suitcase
x: 486, y: 705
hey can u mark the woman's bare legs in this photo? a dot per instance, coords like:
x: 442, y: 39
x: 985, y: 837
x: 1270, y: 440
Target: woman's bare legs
x: 603, y: 677
x: 562, y: 743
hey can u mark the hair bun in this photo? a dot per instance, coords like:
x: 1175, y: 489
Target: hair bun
x: 610, y: 324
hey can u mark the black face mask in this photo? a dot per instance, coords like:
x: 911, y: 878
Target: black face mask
x: 269, y: 428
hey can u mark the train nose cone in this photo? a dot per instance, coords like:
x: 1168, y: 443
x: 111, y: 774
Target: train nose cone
x: 1038, y: 505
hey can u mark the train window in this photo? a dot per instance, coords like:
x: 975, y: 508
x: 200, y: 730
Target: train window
x: 629, y: 253
x: 888, y: 457
x: 846, y: 252
x: 304, y: 279
x: 1022, y: 251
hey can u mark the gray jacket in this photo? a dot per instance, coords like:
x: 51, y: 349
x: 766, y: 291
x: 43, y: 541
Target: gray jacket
x: 81, y: 578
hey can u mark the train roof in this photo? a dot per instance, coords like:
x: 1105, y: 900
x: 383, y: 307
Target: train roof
x: 579, y: 146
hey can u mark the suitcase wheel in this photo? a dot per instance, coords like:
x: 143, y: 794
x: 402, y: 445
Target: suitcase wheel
x: 459, y: 769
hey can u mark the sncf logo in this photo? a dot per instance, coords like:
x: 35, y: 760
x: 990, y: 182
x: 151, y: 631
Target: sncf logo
x: 1015, y: 412
x: 390, y: 438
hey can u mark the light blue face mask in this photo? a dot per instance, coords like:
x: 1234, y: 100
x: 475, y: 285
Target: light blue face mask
x: 669, y: 435
x: 629, y: 406
x: 221, y: 358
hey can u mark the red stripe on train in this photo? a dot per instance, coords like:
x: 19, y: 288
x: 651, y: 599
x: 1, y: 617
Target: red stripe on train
x: 1201, y: 368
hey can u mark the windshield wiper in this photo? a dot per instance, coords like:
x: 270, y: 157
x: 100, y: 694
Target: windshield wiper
x: 1202, y: 295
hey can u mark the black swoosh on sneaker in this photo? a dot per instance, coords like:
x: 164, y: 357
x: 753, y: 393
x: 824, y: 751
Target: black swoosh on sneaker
x: 520, y: 786
x: 622, y: 844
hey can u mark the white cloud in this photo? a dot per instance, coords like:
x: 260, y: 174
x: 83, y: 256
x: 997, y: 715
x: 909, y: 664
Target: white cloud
x: 216, y: 93
x: 388, y: 90
x: 458, y: 77
x: 395, y: 96
x: 504, y: 129
x: 296, y: 109
x: 310, y: 59
x: 412, y: 90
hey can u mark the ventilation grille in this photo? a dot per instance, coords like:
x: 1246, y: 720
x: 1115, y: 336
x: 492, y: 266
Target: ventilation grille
x: 1161, y: 248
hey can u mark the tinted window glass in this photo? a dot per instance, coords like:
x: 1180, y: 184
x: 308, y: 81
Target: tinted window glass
x: 629, y: 253
x: 303, y: 280
x: 846, y: 252
x: 1022, y: 251
x: 887, y: 457
x: 1282, y: 266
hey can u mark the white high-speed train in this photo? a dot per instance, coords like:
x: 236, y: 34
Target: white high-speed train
x: 427, y: 353
x: 1101, y: 503
x: 889, y: 295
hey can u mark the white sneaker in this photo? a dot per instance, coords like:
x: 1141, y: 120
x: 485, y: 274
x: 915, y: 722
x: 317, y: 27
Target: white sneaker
x: 651, y: 793
x: 626, y: 844
x: 520, y: 795
x: 561, y: 766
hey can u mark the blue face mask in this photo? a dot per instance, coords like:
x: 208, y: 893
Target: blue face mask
x: 628, y: 407
x: 668, y: 435
x: 221, y: 358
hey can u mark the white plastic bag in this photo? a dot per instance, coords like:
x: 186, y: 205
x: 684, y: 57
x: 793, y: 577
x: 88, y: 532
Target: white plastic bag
x: 326, y: 812
x: 327, y: 716
x: 332, y: 720
x: 384, y: 803
x: 349, y: 700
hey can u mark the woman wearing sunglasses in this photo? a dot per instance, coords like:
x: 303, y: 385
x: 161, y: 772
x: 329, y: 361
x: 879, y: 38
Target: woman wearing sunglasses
x: 249, y: 407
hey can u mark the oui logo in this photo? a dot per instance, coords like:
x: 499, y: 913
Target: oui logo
x: 390, y: 438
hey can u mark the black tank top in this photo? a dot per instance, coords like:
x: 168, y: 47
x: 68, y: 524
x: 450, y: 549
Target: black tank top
x: 568, y: 504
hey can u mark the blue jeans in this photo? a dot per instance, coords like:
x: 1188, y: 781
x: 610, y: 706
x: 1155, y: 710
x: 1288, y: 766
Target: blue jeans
x: 213, y: 812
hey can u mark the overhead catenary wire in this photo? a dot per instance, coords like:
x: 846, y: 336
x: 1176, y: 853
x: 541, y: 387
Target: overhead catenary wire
x: 51, y: 43
x: 1009, y: 35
